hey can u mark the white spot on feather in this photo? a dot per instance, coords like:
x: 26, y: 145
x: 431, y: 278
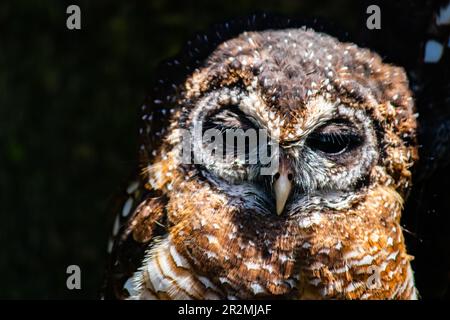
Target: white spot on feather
x: 374, y: 237
x: 132, y: 187
x: 110, y: 245
x: 325, y: 251
x: 433, y: 51
x: 444, y: 16
x: 268, y: 267
x: 315, y: 282
x: 364, y: 261
x: 210, y: 254
x: 306, y: 245
x: 116, y: 226
x: 307, y: 222
x: 390, y: 241
x: 351, y: 255
x: 212, y: 239
x: 127, y: 207
x: 392, y: 256
x: 252, y: 266
x: 257, y: 288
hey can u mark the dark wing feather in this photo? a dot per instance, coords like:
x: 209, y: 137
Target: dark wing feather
x: 145, y: 221
x: 409, y: 29
x: 431, y: 82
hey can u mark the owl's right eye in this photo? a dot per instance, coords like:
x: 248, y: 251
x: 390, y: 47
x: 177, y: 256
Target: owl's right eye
x: 332, y: 143
x: 333, y: 139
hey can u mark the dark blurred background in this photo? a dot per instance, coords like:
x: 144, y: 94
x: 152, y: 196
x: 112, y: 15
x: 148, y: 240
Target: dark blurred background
x: 69, y: 102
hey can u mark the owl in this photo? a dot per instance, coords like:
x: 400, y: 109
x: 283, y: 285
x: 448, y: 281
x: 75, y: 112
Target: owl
x: 324, y: 224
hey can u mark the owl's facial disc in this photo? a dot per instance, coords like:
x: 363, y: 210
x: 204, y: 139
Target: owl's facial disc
x: 324, y: 164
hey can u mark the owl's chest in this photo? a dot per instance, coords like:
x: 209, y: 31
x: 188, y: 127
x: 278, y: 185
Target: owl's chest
x: 166, y: 274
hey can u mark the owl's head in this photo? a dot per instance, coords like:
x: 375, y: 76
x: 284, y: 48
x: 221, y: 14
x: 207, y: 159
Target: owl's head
x: 341, y: 127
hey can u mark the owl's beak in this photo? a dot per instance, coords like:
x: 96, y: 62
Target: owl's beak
x: 282, y: 186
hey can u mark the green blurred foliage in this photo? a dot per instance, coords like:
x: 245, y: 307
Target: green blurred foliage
x: 69, y: 104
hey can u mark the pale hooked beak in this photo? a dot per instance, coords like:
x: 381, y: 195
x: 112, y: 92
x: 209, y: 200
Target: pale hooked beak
x: 282, y: 185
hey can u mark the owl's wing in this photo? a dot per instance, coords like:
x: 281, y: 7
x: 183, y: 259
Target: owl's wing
x: 430, y: 204
x: 415, y: 34
x: 140, y: 217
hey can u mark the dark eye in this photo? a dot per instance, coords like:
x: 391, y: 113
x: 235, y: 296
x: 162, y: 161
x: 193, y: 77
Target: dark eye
x: 333, y: 140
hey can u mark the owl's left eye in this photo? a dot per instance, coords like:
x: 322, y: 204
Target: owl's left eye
x: 333, y: 139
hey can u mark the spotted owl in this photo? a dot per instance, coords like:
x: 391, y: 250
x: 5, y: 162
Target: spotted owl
x: 325, y: 224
